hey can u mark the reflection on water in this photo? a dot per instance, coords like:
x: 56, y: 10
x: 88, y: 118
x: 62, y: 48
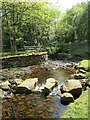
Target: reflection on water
x: 43, y: 73
x: 34, y: 105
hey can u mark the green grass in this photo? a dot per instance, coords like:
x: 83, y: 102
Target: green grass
x: 78, y: 109
x: 87, y: 77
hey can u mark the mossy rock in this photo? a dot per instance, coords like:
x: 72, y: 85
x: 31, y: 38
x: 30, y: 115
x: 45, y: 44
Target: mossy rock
x: 85, y: 64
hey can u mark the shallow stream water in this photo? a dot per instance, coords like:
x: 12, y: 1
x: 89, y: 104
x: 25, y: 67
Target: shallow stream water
x: 34, y: 105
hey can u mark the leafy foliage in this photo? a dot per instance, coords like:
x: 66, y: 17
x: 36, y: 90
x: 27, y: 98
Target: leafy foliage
x: 26, y: 23
x: 36, y: 23
x: 73, y: 25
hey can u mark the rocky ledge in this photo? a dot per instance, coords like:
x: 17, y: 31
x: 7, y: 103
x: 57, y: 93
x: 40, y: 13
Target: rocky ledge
x: 24, y: 60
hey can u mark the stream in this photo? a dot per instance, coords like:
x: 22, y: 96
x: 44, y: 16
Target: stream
x: 35, y: 105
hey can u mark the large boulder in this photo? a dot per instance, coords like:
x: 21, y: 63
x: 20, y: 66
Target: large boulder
x: 50, y: 84
x: 72, y: 86
x: 27, y: 86
x: 66, y: 98
x: 79, y: 76
x: 5, y: 85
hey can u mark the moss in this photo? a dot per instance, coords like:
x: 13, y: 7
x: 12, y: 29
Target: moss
x: 85, y: 64
x: 23, y: 54
x: 78, y: 109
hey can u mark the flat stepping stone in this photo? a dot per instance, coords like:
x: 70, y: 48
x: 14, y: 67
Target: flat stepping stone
x: 72, y: 86
x: 27, y: 86
x: 50, y: 84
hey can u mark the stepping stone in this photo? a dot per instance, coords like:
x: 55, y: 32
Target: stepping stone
x: 66, y: 98
x: 50, y: 84
x: 27, y: 86
x: 72, y: 86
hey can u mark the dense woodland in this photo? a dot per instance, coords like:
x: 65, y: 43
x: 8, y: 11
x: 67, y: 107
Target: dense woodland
x: 40, y: 24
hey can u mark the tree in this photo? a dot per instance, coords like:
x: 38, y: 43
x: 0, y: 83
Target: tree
x: 27, y: 23
x: 73, y: 25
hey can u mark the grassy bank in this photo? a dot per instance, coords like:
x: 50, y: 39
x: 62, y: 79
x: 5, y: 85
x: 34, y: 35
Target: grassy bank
x: 78, y: 109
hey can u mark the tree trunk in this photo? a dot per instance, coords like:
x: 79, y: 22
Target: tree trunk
x: 13, y: 47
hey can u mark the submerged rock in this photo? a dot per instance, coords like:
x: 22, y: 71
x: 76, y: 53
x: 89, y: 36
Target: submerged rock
x: 50, y: 84
x: 66, y: 98
x: 27, y: 86
x: 72, y: 86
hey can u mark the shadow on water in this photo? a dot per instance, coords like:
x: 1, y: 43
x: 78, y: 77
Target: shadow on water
x: 33, y: 106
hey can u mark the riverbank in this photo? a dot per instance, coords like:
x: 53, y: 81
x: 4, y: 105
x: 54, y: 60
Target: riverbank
x: 80, y: 108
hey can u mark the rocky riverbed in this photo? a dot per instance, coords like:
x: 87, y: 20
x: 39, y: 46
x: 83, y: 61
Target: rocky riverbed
x: 22, y: 97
